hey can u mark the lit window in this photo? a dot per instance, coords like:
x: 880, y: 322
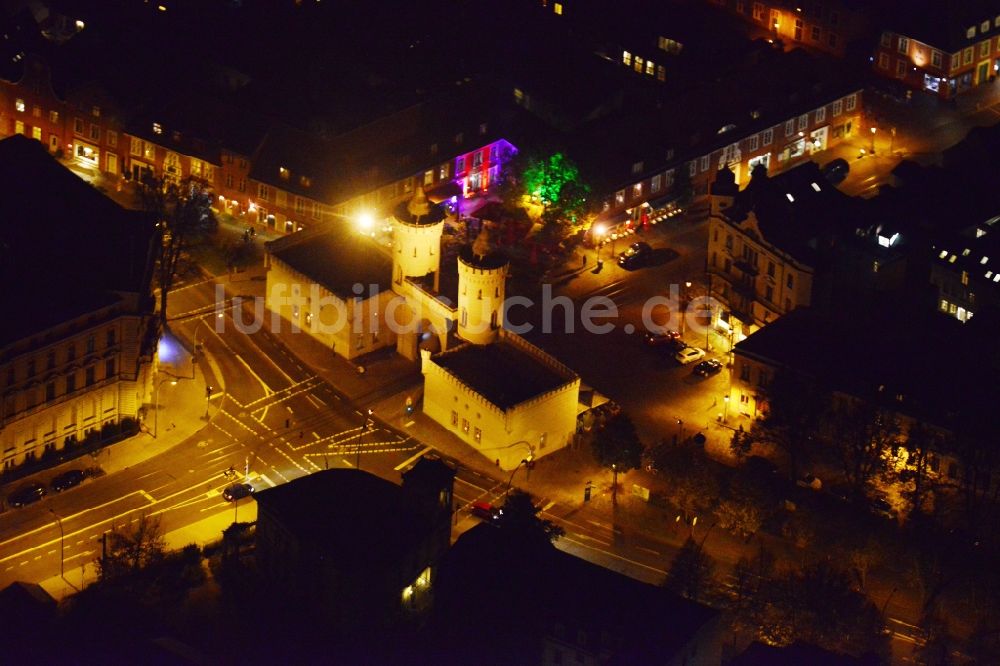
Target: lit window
x: 19, y: 105
x: 157, y: 128
x: 557, y: 8
x: 984, y: 260
x: 970, y: 33
x: 284, y: 173
x: 815, y: 187
x: 650, y: 67
x: 789, y: 196
x: 626, y: 57
x: 951, y: 259
x: 966, y: 252
x: 943, y: 254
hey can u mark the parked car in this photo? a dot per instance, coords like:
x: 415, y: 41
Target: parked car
x: 237, y: 491
x: 708, y: 367
x: 836, y: 171
x: 689, y: 355
x: 636, y: 255
x: 67, y: 480
x: 25, y: 495
x: 666, y: 338
x: 810, y: 481
x: 486, y: 511
x: 881, y: 507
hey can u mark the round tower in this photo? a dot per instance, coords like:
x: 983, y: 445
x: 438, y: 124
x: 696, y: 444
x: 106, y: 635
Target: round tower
x: 482, y: 279
x: 416, y: 230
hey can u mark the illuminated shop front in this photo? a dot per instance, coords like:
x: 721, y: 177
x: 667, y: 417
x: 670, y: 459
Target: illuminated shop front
x: 86, y: 154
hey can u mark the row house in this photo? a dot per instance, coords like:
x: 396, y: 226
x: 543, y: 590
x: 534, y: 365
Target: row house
x: 823, y: 25
x: 762, y: 246
x: 775, y: 147
x: 942, y: 394
x: 941, y: 53
x: 75, y: 355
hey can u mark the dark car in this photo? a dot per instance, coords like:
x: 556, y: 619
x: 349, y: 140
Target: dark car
x: 237, y: 491
x: 67, y: 480
x: 636, y: 255
x: 708, y: 367
x: 486, y: 511
x: 665, y: 338
x: 836, y: 171
x: 881, y: 507
x: 25, y: 495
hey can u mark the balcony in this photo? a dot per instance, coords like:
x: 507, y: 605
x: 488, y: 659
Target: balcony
x: 746, y: 267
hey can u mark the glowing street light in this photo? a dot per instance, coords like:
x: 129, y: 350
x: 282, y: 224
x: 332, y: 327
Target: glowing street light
x: 873, y: 140
x: 366, y: 222
x: 599, y: 233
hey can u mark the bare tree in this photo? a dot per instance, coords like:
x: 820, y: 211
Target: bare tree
x: 690, y: 573
x: 183, y: 214
x: 131, y: 548
x: 795, y: 406
x: 864, y: 435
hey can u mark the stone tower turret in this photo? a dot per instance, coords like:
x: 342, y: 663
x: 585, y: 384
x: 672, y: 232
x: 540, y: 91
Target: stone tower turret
x: 482, y: 281
x: 416, y: 228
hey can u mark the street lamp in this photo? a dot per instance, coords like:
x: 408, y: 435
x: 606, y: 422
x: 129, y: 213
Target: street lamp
x: 599, y: 231
x: 366, y: 223
x: 524, y: 461
x: 614, y: 483
x: 208, y: 400
x: 156, y: 402
x: 364, y: 428
x: 725, y: 411
x: 873, y: 140
x: 62, y: 545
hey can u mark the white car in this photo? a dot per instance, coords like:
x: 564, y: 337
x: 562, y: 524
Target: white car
x: 689, y: 355
x: 810, y: 481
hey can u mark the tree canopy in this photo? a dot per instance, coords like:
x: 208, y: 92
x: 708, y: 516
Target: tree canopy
x: 618, y: 445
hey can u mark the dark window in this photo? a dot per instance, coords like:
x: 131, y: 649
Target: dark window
x: 31, y: 368
x: 71, y: 352
x: 51, y: 360
x: 109, y: 368
x: 70, y: 383
x: 50, y: 391
x: 111, y: 337
x: 90, y: 344
x: 90, y: 375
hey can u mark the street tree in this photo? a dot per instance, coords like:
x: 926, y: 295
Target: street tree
x: 555, y: 182
x: 921, y: 443
x: 741, y: 444
x: 690, y: 572
x: 131, y: 548
x: 520, y: 516
x: 795, y: 406
x: 739, y: 514
x: 184, y: 217
x: 863, y: 434
x: 693, y: 480
x: 617, y: 445
x: 817, y: 604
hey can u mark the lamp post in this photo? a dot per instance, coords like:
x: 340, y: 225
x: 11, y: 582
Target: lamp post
x: 524, y: 461
x: 62, y: 545
x: 873, y: 140
x: 614, y: 483
x: 599, y: 231
x: 208, y: 400
x: 725, y: 410
x: 364, y: 429
x: 156, y: 403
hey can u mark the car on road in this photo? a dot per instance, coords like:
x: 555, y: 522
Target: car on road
x: 25, y: 495
x: 836, y: 171
x: 67, y: 480
x: 810, y: 481
x: 689, y: 355
x: 237, y: 491
x: 486, y: 511
x: 708, y: 367
x: 665, y: 338
x: 635, y: 256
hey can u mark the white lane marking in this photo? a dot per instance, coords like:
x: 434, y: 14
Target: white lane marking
x: 267, y: 389
x: 411, y: 459
x: 347, y: 462
x: 549, y: 505
x: 267, y: 480
x: 314, y: 400
x: 147, y: 496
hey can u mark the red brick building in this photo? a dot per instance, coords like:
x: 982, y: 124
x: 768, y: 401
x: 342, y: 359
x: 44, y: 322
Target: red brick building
x: 943, y: 48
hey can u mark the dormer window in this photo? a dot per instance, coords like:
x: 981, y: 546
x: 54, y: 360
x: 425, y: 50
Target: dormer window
x: 970, y: 33
x: 157, y: 128
x: 305, y: 181
x: 637, y: 167
x: 458, y: 138
x: 482, y: 128
x: 284, y: 173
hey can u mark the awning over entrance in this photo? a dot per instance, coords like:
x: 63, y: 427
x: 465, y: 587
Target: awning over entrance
x: 443, y: 192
